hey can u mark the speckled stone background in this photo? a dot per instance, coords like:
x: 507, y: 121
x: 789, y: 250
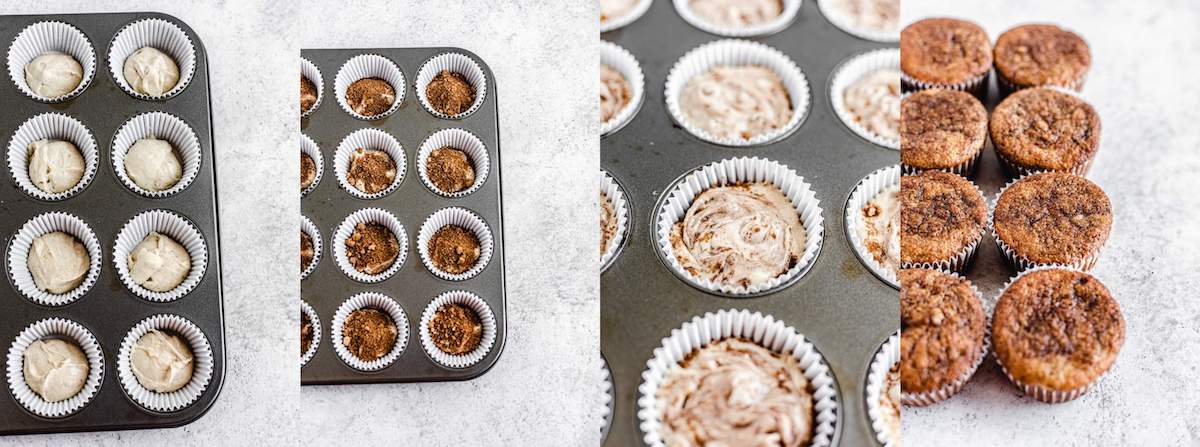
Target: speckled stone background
x: 1144, y: 84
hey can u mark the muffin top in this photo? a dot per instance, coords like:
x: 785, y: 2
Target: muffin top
x: 941, y: 214
x: 942, y: 328
x: 945, y: 51
x: 1057, y: 328
x: 1053, y: 218
x: 941, y: 129
x: 1034, y: 55
x: 1046, y: 129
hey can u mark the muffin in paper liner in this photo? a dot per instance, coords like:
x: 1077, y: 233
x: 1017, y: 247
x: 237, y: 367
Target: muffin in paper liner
x: 949, y: 390
x: 51, y: 36
x: 674, y: 204
x: 866, y: 190
x: 173, y: 226
x: 482, y: 310
x: 18, y: 256
x: 886, y: 358
x: 960, y: 260
x: 379, y: 302
x: 310, y: 148
x: 469, y: 221
x: 369, y: 139
x: 315, y: 321
x: 775, y: 25
x: 163, y: 126
x: 310, y: 71
x: 852, y: 70
x: 966, y: 169
x: 346, y: 228
x: 202, y: 364
x: 606, y: 398
x: 1015, y: 170
x: 764, y: 330
x: 309, y: 228
x: 368, y: 66
x: 1007, y: 87
x: 615, y: 194
x: 52, y: 126
x: 845, y: 23
x: 623, y: 62
x: 639, y: 9
x: 161, y: 35
x: 460, y: 139
x: 735, y: 52
x: 52, y: 328
x: 1020, y: 263
x: 455, y: 63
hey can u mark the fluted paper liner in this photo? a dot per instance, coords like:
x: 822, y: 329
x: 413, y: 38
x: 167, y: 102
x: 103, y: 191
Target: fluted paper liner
x: 606, y: 398
x: 775, y: 25
x: 481, y: 309
x: 462, y: 140
x: 18, y: 256
x: 161, y: 35
x: 629, y: 17
x: 887, y: 357
x: 313, y: 74
x: 379, y: 302
x: 623, y: 62
x: 455, y: 63
x: 469, y: 221
x: 173, y: 226
x: 976, y: 86
x: 1020, y: 263
x: 202, y: 364
x: 369, y: 139
x: 309, y: 228
x: 949, y: 390
x: 866, y: 190
x: 51, y: 126
x: 960, y: 260
x: 368, y: 66
x: 162, y: 126
x: 51, y: 328
x: 845, y: 23
x: 852, y: 70
x: 346, y: 228
x: 310, y: 148
x: 612, y: 190
x: 51, y: 36
x: 315, y: 321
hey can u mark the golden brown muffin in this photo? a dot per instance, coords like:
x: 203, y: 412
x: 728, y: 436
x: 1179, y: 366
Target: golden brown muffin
x: 941, y: 129
x: 942, y: 327
x: 945, y: 52
x: 941, y: 215
x: 1053, y: 218
x: 1041, y: 129
x: 1041, y: 55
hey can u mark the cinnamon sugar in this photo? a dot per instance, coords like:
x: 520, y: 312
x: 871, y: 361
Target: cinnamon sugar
x: 450, y: 93
x: 306, y: 333
x: 454, y: 249
x: 369, y: 334
x: 455, y: 329
x: 308, y: 94
x: 308, y: 171
x: 371, y: 170
x: 450, y: 170
x: 307, y: 252
x: 372, y: 248
x: 370, y: 96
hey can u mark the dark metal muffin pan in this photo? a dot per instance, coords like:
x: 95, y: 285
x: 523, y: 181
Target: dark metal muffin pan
x: 413, y: 286
x: 109, y: 310
x: 839, y: 305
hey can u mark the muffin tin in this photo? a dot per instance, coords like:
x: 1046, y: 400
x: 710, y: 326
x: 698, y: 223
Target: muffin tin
x: 109, y: 309
x: 412, y: 286
x: 837, y: 303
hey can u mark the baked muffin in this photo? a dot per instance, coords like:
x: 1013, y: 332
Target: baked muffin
x: 941, y: 130
x: 1052, y: 218
x: 942, y: 219
x: 942, y: 334
x: 1041, y: 55
x: 947, y: 53
x: 1042, y: 129
x: 1055, y: 331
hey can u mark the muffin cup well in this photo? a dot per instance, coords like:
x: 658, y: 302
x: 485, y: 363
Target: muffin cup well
x: 309, y: 147
x: 315, y: 321
x: 867, y: 189
x: 51, y: 126
x: 18, y: 256
x: 623, y: 62
x: 47, y: 36
x: 171, y: 225
x: 886, y: 358
x: 48, y: 329
x: 369, y: 139
x: 161, y: 35
x: 976, y: 86
x: 775, y: 25
x: 469, y: 221
x: 1020, y: 263
x: 202, y: 364
x: 462, y: 140
x: 368, y: 66
x: 346, y: 228
x: 481, y: 309
x: 455, y: 63
x: 851, y: 71
x: 309, y: 228
x: 733, y: 52
x: 764, y: 330
x: 162, y: 126
x: 310, y: 71
x: 379, y: 302
x: 845, y: 23
x: 675, y: 203
x: 612, y: 190
x: 945, y: 392
x: 960, y: 260
x: 629, y: 17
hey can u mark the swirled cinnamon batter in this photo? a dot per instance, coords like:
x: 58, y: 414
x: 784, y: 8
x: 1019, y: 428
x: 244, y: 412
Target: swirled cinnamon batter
x: 736, y: 102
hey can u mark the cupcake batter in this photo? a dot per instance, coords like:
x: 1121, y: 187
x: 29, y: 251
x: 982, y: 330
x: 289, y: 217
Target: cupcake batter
x: 608, y: 222
x: 152, y: 165
x: 162, y: 362
x: 612, y: 9
x: 58, y: 262
x: 889, y: 404
x: 159, y: 263
x: 871, y: 15
x: 614, y: 93
x: 55, y: 369
x: 737, y: 13
x: 151, y: 72
x: 55, y: 166
x: 53, y: 74
x: 879, y: 229
x: 736, y: 102
x: 874, y: 102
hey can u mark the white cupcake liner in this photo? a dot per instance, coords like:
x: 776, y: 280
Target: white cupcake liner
x: 54, y: 328
x: 18, y: 256
x: 629, y: 17
x: 309, y: 228
x: 346, y: 228
x: 369, y: 139
x: 606, y: 398
x: 51, y: 126
x: 845, y: 23
x: 171, y: 225
x: 623, y: 62
x: 674, y: 206
x: 886, y: 358
x: 867, y: 189
x: 462, y: 140
x: 455, y: 63
x: 315, y: 321
x: 368, y: 66
x: 1020, y: 263
x: 851, y: 71
x: 161, y: 35
x: 785, y: 18
x: 732, y: 52
x: 960, y: 260
x: 47, y: 36
x: 163, y: 126
x: 612, y: 190
x: 469, y: 221
x: 976, y: 86
x: 310, y: 148
x: 764, y: 330
x: 203, y: 364
x: 949, y: 390
x: 379, y: 302
x: 482, y: 310
x: 313, y: 74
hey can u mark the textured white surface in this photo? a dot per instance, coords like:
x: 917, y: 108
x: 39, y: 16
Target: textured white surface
x: 1143, y: 82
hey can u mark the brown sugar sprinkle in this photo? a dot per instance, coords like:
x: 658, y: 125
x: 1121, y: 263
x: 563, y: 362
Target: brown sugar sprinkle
x: 450, y: 170
x: 307, y: 252
x: 372, y: 248
x: 308, y: 171
x: 450, y: 93
x: 370, y: 96
x: 308, y: 94
x: 306, y: 333
x: 455, y: 329
x: 454, y: 249
x: 369, y: 334
x: 371, y: 170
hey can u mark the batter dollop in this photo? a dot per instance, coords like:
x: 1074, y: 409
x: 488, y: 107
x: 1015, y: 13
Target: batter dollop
x: 736, y: 102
